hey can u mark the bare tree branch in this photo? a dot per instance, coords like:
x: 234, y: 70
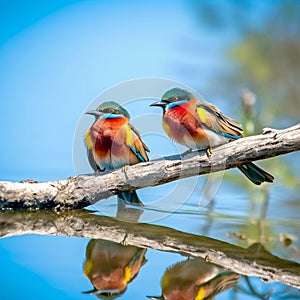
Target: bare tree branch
x: 254, y: 261
x: 83, y: 190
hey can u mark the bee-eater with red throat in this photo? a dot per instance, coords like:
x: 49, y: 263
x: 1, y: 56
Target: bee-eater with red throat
x: 200, y: 125
x: 111, y: 267
x: 195, y: 279
x: 112, y: 142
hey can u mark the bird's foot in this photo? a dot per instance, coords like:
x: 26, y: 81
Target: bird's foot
x: 124, y: 242
x: 209, y: 152
x: 124, y: 169
x: 29, y: 181
x: 99, y: 170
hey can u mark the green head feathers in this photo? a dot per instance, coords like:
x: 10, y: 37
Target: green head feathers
x: 176, y: 94
x: 111, y: 107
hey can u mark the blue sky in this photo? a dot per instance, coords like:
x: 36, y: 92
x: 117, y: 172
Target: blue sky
x: 56, y: 58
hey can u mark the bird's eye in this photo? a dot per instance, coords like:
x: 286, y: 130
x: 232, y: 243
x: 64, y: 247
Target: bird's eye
x: 112, y: 111
x: 174, y: 99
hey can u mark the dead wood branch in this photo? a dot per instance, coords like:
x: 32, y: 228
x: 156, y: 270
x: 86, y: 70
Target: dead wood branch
x: 83, y: 190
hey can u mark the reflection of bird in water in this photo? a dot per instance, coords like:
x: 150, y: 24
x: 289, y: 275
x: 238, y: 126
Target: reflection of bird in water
x: 128, y: 213
x: 112, y: 143
x: 195, y: 279
x: 111, y: 266
x: 200, y: 125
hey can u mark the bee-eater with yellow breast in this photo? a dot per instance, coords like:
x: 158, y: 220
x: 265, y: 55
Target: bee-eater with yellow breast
x: 195, y: 279
x: 200, y: 125
x: 111, y: 267
x: 112, y: 142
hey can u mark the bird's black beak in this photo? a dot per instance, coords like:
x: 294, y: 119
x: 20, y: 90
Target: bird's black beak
x: 102, y: 292
x: 159, y: 103
x: 95, y: 113
x: 91, y: 292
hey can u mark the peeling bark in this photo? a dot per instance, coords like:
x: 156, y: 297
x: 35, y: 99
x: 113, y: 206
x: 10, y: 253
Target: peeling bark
x: 83, y: 190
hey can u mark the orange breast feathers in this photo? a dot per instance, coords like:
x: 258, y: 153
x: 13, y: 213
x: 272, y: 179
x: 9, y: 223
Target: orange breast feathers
x: 105, y: 133
x: 114, y: 144
x: 181, y: 124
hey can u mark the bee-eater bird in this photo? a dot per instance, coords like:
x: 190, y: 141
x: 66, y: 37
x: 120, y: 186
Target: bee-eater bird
x: 112, y: 142
x: 200, y: 125
x: 195, y: 279
x: 111, y: 267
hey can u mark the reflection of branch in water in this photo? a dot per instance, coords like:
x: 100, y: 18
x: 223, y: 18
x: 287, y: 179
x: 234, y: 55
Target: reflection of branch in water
x: 254, y: 261
x: 195, y: 279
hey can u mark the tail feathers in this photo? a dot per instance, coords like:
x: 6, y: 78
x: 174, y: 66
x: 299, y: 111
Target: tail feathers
x: 131, y: 197
x: 256, y: 174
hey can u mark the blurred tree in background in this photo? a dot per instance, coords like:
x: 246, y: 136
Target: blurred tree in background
x: 263, y: 55
x: 259, y: 42
x: 261, y: 51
